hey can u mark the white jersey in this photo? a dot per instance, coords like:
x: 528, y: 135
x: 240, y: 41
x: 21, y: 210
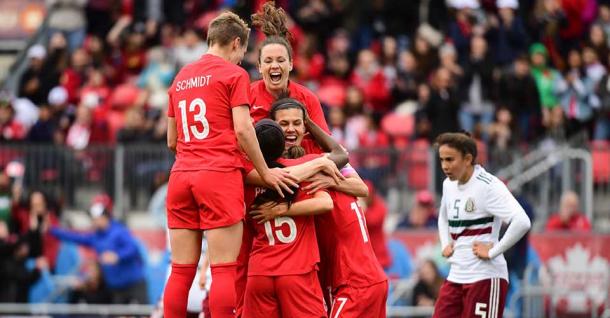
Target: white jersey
x: 474, y: 211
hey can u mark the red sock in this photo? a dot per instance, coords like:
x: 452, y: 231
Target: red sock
x: 222, y: 292
x: 176, y: 293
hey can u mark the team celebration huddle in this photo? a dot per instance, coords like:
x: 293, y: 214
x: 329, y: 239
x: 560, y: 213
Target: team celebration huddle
x: 257, y: 172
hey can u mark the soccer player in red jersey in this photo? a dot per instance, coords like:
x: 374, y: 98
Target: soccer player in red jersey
x: 208, y: 115
x: 282, y: 269
x: 275, y: 64
x: 301, y: 172
x: 356, y: 280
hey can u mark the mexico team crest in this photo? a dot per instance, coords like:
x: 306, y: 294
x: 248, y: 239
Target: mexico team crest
x: 469, y: 207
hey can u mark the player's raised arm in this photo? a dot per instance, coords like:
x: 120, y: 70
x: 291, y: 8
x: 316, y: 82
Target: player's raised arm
x: 328, y: 144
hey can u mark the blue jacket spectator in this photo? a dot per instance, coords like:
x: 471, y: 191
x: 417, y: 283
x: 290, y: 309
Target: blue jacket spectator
x: 117, y: 251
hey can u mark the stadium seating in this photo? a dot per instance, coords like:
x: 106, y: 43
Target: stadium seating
x: 600, y: 153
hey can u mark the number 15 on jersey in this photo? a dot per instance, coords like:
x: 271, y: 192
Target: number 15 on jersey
x: 187, y: 128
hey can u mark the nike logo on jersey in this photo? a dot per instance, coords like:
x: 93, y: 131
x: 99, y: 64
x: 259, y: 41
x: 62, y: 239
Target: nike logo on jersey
x: 254, y: 107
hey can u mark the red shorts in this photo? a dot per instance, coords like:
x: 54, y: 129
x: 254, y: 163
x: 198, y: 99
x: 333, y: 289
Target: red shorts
x: 284, y: 296
x: 360, y: 302
x: 484, y: 298
x: 204, y: 199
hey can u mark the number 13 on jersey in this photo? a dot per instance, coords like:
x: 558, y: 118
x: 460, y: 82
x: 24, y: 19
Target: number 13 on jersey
x: 187, y: 128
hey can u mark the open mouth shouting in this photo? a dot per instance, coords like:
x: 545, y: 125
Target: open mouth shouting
x: 291, y: 140
x: 275, y: 77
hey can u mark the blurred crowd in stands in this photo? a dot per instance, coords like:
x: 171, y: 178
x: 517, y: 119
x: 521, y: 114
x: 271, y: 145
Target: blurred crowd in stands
x: 390, y: 74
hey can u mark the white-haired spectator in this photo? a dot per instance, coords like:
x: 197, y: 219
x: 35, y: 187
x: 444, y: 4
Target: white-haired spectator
x: 569, y: 217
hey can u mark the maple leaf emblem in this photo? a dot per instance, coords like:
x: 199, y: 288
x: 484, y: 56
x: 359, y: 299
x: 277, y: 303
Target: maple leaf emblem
x: 577, y: 277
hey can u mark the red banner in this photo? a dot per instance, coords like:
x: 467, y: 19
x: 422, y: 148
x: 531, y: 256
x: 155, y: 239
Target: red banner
x: 574, y: 266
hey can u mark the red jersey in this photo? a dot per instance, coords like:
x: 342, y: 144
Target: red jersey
x: 261, y: 101
x: 345, y: 246
x: 286, y: 245
x: 375, y: 216
x: 201, y: 99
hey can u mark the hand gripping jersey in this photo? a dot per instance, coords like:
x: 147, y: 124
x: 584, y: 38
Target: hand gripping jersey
x: 285, y: 245
x: 201, y: 99
x: 345, y: 246
x: 474, y: 212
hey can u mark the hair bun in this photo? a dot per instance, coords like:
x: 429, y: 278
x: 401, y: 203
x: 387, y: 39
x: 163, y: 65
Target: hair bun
x: 271, y: 20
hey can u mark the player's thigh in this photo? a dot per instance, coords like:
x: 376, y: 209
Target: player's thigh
x: 182, y: 209
x: 220, y: 197
x: 485, y: 298
x: 348, y: 302
x: 224, y: 243
x: 260, y: 300
x: 300, y: 295
x: 185, y: 245
x: 449, y: 303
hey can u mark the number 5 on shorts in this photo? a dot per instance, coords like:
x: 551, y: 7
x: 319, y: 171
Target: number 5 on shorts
x: 480, y: 309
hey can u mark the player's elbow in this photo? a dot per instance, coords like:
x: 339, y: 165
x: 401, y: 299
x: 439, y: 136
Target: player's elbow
x: 326, y: 205
x: 527, y: 223
x: 342, y: 158
x: 242, y: 132
x: 171, y: 145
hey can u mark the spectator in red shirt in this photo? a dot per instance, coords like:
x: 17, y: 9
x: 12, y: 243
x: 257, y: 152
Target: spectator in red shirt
x: 375, y: 209
x: 569, y: 217
x: 10, y: 129
x: 369, y: 77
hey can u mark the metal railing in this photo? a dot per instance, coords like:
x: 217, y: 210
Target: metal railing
x: 542, y: 169
x: 145, y: 310
x: 76, y: 309
x: 130, y: 173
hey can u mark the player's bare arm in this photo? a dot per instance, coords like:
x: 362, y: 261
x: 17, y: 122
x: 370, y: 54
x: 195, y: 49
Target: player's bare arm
x: 276, y: 179
x: 320, y: 203
x: 172, y: 134
x: 301, y: 172
x: 352, y: 184
x: 336, y: 153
